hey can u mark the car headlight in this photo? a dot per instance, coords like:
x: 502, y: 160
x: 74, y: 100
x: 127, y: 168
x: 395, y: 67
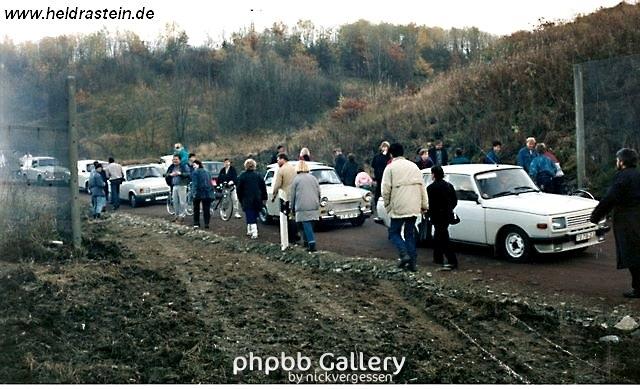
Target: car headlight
x: 145, y: 190
x: 367, y: 197
x: 324, y: 201
x: 559, y: 223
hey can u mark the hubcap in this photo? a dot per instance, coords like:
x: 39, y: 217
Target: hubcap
x: 514, y: 245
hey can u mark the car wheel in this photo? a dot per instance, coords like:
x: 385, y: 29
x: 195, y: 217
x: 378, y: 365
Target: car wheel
x: 514, y: 245
x: 357, y: 222
x: 264, y: 216
x: 133, y: 201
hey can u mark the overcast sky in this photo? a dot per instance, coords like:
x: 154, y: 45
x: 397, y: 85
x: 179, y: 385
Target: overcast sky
x: 215, y: 19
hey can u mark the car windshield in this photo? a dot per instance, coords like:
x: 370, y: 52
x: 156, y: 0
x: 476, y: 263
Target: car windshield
x: 213, y: 167
x: 507, y: 182
x: 48, y: 162
x: 326, y: 176
x: 139, y: 173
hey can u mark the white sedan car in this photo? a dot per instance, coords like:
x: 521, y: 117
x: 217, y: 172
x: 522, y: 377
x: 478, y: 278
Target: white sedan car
x: 85, y: 167
x: 500, y: 206
x: 338, y: 203
x: 143, y: 184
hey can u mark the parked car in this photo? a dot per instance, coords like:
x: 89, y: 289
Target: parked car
x: 85, y: 167
x: 44, y: 170
x: 167, y: 160
x: 143, y: 184
x: 214, y: 168
x: 338, y: 202
x: 500, y: 206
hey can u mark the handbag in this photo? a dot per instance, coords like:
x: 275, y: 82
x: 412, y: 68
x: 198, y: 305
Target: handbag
x: 454, y: 219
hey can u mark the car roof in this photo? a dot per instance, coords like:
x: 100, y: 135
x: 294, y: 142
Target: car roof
x: 312, y: 165
x: 141, y: 165
x: 472, y: 169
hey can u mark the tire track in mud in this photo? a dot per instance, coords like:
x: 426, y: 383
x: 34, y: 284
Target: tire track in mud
x: 264, y: 300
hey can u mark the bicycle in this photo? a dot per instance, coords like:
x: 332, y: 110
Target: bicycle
x: 171, y: 209
x: 222, y: 200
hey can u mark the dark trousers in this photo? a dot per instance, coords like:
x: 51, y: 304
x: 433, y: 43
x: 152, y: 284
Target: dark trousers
x: 635, y: 278
x: 442, y: 246
x: 206, y: 211
x: 115, y: 194
x: 378, y: 193
x: 406, y: 246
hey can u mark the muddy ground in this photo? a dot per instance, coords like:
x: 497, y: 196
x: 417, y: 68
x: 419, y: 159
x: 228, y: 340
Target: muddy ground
x: 151, y: 302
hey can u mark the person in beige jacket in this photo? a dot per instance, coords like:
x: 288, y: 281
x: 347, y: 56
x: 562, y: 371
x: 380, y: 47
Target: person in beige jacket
x: 405, y: 198
x: 281, y: 188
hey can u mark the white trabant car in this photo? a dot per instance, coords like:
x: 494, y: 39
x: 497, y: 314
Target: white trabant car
x: 44, y: 170
x: 338, y: 202
x: 500, y: 206
x: 143, y: 184
x: 85, y: 167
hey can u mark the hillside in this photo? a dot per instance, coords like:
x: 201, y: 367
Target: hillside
x: 522, y: 86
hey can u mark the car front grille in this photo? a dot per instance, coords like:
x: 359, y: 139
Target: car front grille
x: 578, y: 220
x: 345, y: 206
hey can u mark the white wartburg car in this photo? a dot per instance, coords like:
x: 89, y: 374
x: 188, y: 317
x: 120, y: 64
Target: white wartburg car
x: 500, y: 206
x: 338, y: 202
x: 85, y: 167
x: 143, y: 183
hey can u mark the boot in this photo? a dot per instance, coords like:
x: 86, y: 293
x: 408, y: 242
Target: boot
x: 254, y: 231
x: 405, y: 259
x: 312, y: 247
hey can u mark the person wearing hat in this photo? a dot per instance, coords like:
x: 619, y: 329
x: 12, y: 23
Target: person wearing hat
x: 96, y: 186
x: 378, y: 164
x: 623, y: 198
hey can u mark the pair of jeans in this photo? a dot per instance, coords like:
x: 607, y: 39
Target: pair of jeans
x: 97, y: 204
x: 206, y: 211
x: 307, y: 227
x: 115, y: 193
x: 406, y: 246
x: 442, y: 246
x: 179, y: 197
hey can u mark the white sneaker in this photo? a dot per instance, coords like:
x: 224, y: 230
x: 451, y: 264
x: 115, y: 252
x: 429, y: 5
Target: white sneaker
x: 249, y: 230
x: 237, y: 216
x: 254, y: 231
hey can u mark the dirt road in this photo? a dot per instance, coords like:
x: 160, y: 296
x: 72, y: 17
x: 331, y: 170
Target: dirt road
x: 591, y: 275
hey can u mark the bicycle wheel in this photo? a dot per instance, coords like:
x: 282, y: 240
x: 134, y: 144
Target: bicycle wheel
x: 170, y: 209
x: 226, y: 208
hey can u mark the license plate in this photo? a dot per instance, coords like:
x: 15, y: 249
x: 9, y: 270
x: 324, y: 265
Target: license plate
x: 348, y: 216
x: 161, y: 198
x: 585, y: 236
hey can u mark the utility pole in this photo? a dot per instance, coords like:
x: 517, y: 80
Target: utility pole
x: 580, y: 141
x: 73, y: 162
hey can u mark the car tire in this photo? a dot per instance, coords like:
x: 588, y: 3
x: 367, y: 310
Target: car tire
x: 357, y: 222
x: 133, y: 201
x: 264, y: 216
x: 514, y: 245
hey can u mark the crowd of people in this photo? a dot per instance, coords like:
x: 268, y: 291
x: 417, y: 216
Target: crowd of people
x: 396, y: 179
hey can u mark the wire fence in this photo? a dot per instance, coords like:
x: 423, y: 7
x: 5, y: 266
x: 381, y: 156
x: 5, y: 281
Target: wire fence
x: 611, y: 92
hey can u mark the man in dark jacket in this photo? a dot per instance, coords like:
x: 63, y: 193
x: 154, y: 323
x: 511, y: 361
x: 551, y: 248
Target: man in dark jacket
x: 378, y: 164
x: 439, y: 154
x: 493, y: 156
x: 339, y: 161
x: 179, y: 177
x: 442, y: 201
x: 350, y: 171
x: 623, y: 197
x: 229, y: 175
